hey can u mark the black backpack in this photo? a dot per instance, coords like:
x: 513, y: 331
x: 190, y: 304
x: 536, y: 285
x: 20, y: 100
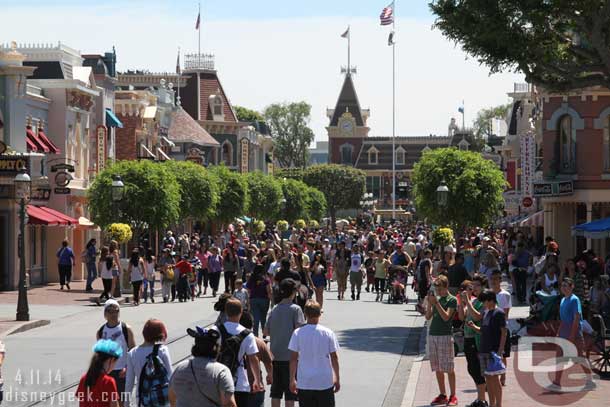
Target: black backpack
x: 153, y: 388
x: 123, y: 328
x: 229, y: 349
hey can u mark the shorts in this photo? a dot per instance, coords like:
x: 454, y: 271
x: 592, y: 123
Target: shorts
x: 318, y: 280
x: 355, y: 278
x: 441, y: 353
x: 120, y: 383
x: 281, y: 381
x: 484, y: 360
x: 324, y: 398
x: 115, y: 273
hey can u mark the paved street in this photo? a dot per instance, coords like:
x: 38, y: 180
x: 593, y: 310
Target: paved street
x: 51, y: 358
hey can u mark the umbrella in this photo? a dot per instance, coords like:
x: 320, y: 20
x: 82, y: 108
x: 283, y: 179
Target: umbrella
x: 598, y: 229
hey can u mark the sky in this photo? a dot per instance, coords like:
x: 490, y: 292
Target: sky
x: 270, y: 51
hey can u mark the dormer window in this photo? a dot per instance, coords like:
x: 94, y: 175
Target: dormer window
x: 464, y: 145
x: 373, y: 156
x: 400, y: 156
x: 216, y: 106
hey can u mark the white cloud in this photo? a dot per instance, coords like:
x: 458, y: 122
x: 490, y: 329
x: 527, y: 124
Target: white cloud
x: 262, y: 62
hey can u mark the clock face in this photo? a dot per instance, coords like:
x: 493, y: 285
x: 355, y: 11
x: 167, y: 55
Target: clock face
x: 346, y: 126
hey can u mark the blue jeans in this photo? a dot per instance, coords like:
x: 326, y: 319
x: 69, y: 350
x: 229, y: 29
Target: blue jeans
x: 91, y: 275
x: 260, y: 307
x: 149, y: 284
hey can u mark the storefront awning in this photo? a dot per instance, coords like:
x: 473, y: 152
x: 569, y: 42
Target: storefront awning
x: 162, y: 155
x: 112, y: 120
x: 536, y: 219
x: 598, y: 229
x: 53, y: 149
x: 42, y: 215
x: 34, y: 140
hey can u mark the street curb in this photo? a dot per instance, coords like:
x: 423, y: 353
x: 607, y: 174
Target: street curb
x: 410, y: 390
x: 26, y: 326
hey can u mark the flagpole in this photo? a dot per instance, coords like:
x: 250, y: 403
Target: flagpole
x: 199, y: 43
x: 394, y: 115
x: 179, y: 74
x: 463, y: 116
x: 349, y: 47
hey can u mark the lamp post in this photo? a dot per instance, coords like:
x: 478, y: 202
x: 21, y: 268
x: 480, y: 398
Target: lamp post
x: 442, y: 194
x: 118, y: 189
x: 23, y: 188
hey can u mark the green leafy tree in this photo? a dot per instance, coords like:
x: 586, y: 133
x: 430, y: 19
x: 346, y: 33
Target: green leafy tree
x: 559, y: 44
x: 247, y: 115
x: 290, y: 173
x: 265, y: 194
x: 290, y: 132
x: 475, y: 187
x: 199, y: 191
x: 316, y: 204
x: 342, y: 185
x: 483, y: 123
x: 297, y: 199
x: 233, y: 193
x: 151, y: 196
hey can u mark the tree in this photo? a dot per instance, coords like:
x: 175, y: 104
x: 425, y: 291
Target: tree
x: 198, y: 190
x: 265, y: 196
x: 145, y: 183
x: 558, y: 44
x: 342, y: 186
x: 483, y: 123
x: 247, y: 115
x: 296, y: 194
x: 233, y: 193
x: 475, y: 187
x: 290, y: 132
x: 316, y: 204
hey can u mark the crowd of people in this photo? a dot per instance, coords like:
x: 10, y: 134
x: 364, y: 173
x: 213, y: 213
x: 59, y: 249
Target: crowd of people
x: 272, y: 300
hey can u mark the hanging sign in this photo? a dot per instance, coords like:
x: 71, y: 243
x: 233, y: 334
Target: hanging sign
x: 245, y: 155
x: 101, y: 135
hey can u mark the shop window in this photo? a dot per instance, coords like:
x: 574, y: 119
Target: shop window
x: 567, y: 145
x: 347, y: 151
x: 227, y: 154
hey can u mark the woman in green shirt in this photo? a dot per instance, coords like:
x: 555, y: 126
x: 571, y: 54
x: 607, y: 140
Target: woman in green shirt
x: 381, y: 274
x: 469, y: 309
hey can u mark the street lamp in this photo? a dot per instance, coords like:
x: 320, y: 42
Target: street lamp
x: 442, y: 194
x: 23, y: 189
x: 118, y: 189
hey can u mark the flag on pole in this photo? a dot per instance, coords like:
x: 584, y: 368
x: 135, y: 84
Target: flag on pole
x: 387, y: 15
x: 178, y: 70
x: 346, y: 33
x: 198, y: 21
x: 461, y: 109
x: 391, y: 39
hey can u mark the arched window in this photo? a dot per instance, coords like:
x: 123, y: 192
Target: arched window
x: 567, y: 145
x: 347, y: 151
x: 227, y: 154
x: 400, y: 156
x: 373, y: 156
x: 216, y: 107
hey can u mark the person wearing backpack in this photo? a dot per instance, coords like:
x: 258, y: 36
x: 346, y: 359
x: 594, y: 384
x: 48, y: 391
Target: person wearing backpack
x: 150, y: 365
x: 121, y: 333
x: 200, y: 380
x: 238, y: 350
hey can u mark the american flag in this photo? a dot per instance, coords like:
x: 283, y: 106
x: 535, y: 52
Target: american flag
x: 387, y: 15
x: 198, y: 21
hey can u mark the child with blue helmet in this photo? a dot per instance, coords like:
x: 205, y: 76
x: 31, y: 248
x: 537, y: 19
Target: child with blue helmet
x: 96, y: 387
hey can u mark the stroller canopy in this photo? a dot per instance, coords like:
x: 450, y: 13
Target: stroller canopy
x: 598, y: 229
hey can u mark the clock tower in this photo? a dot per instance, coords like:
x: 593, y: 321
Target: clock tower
x: 347, y: 127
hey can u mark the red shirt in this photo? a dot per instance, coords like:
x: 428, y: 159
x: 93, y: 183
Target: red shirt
x: 183, y: 267
x: 101, y: 395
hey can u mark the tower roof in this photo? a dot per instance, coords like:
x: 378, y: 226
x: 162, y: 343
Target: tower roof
x: 347, y: 102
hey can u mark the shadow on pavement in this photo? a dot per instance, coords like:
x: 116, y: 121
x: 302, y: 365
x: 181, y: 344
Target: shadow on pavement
x: 390, y: 339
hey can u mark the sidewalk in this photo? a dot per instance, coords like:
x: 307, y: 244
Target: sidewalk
x: 519, y: 391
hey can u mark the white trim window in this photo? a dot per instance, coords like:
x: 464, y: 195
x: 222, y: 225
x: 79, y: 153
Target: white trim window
x: 567, y: 145
x: 217, y: 108
x: 227, y: 153
x: 373, y: 154
x: 400, y: 155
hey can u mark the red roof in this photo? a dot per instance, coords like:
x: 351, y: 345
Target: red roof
x: 42, y: 215
x: 183, y: 128
x: 43, y: 137
x: 34, y: 140
x: 210, y: 85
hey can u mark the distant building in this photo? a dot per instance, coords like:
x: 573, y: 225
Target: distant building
x: 319, y: 153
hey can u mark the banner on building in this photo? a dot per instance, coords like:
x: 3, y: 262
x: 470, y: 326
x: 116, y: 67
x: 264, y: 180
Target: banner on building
x: 528, y: 163
x: 245, y: 155
x: 101, y: 134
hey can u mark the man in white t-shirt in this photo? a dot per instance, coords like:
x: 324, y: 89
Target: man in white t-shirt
x: 314, y: 361
x: 355, y: 273
x: 247, y: 350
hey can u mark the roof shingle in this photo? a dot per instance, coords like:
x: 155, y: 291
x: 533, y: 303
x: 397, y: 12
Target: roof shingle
x: 183, y: 128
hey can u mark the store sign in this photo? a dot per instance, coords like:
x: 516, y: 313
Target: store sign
x: 13, y: 165
x: 542, y: 189
x: 528, y: 163
x: 527, y: 202
x: 62, y: 191
x: 101, y: 136
x: 512, y: 201
x: 245, y: 155
x: 62, y: 167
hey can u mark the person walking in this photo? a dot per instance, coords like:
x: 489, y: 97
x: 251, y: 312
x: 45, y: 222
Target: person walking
x: 105, y: 266
x: 90, y: 256
x: 201, y: 380
x: 136, y: 271
x: 120, y: 333
x: 65, y: 262
x: 166, y: 264
x: 341, y: 268
x: 149, y: 275
x: 230, y: 265
x: 203, y: 275
x: 116, y: 267
x: 318, y: 277
x: 257, y: 398
x: 381, y: 265
x: 260, y: 292
x: 314, y: 362
x: 440, y: 311
x: 155, y: 335
x: 97, y: 388
x: 355, y: 272
x: 282, y: 321
x: 214, y: 270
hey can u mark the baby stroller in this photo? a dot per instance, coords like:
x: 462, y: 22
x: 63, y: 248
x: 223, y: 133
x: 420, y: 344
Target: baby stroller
x: 396, y: 283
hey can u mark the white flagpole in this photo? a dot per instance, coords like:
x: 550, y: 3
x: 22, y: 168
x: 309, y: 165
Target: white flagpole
x: 349, y: 46
x: 394, y: 114
x: 199, y: 30
x: 179, y: 74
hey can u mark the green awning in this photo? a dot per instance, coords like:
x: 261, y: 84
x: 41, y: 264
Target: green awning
x: 112, y: 120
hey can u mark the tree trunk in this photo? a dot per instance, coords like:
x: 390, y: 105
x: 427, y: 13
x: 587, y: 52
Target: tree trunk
x: 333, y: 219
